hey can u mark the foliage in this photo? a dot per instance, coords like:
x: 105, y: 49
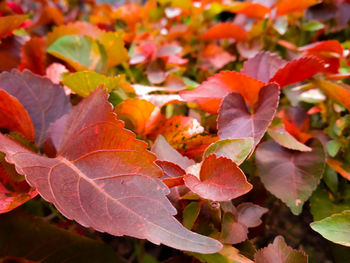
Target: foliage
x: 200, y: 125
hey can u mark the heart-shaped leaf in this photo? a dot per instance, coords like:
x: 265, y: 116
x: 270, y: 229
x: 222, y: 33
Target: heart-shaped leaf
x: 104, y: 178
x: 290, y: 175
x: 279, y: 252
x: 220, y: 179
x: 44, y: 101
x: 235, y: 120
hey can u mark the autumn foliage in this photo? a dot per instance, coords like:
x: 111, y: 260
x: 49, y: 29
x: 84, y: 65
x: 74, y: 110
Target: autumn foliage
x: 219, y: 129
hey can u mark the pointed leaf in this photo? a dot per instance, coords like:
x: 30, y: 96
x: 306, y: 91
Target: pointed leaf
x: 220, y: 180
x: 335, y: 228
x: 44, y: 101
x: 225, y: 31
x: 51, y: 244
x: 210, y: 93
x: 298, y: 70
x: 236, y: 121
x: 290, y: 175
x: 82, y: 53
x: 13, y: 116
x: 263, y: 66
x: 104, y: 181
x: 279, y: 252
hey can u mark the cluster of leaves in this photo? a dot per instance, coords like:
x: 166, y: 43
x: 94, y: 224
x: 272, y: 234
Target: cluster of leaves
x: 185, y: 123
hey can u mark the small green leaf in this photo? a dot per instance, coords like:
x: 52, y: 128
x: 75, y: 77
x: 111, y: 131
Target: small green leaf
x: 335, y: 228
x: 190, y: 214
x: 312, y: 26
x: 333, y: 147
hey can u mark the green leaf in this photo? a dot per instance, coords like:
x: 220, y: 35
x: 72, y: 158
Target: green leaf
x: 33, y: 239
x: 330, y: 177
x: 84, y: 82
x: 190, y: 214
x: 312, y: 26
x: 335, y: 228
x: 80, y: 52
x: 333, y: 147
x: 235, y: 149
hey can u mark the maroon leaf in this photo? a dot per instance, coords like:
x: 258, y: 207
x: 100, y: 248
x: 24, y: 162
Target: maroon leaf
x: 220, y: 179
x: 298, y: 70
x: 235, y: 120
x: 263, y: 66
x: 279, y: 252
x: 104, y: 178
x: 290, y: 175
x: 44, y: 101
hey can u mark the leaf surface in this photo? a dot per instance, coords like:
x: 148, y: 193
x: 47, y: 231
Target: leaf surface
x: 280, y: 252
x: 44, y: 101
x: 104, y: 178
x: 235, y: 120
x: 220, y: 179
x: 290, y: 175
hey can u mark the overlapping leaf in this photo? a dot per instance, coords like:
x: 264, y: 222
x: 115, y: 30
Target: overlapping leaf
x: 290, y: 175
x: 100, y: 162
x: 44, y: 101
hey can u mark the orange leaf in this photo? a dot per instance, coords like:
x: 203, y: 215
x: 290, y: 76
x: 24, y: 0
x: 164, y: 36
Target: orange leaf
x: 286, y: 7
x: 225, y: 31
x: 253, y: 10
x: 10, y: 23
x: 337, y: 166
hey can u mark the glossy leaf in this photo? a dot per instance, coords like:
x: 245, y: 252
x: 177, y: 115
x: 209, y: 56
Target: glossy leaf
x: 224, y: 31
x: 94, y: 167
x: 290, y: 175
x: 13, y: 116
x: 83, y: 83
x: 335, y: 228
x: 44, y: 101
x: 280, y: 252
x: 220, y: 179
x: 80, y: 52
x: 51, y: 244
x: 298, y: 70
x: 235, y: 120
x: 210, y: 93
x: 10, y: 23
x: 263, y: 66
x: 235, y: 149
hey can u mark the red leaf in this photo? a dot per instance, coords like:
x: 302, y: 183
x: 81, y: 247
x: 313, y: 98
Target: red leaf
x: 290, y: 175
x: 44, y: 101
x: 279, y: 252
x: 210, y: 93
x: 298, y: 70
x: 220, y: 179
x: 14, y: 117
x: 33, y: 56
x: 263, y: 66
x: 104, y: 178
x: 225, y: 31
x: 235, y: 120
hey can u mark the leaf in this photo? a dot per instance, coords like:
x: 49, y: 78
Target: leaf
x: 220, y: 179
x: 334, y: 91
x: 44, y: 101
x: 216, y: 57
x: 84, y: 82
x: 290, y: 175
x: 285, y: 139
x: 298, y: 70
x: 279, y: 252
x: 10, y: 23
x: 210, y: 93
x: 51, y: 244
x: 80, y: 52
x: 224, y: 31
x: 236, y: 121
x: 114, y: 45
x: 164, y: 152
x: 232, y: 232
x: 341, y: 168
x: 249, y: 214
x: 286, y: 7
x: 235, y: 149
x: 190, y: 214
x: 263, y: 66
x: 252, y: 10
x: 13, y: 116
x: 104, y: 181
x: 14, y: 190
x: 335, y: 228
x: 33, y: 54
